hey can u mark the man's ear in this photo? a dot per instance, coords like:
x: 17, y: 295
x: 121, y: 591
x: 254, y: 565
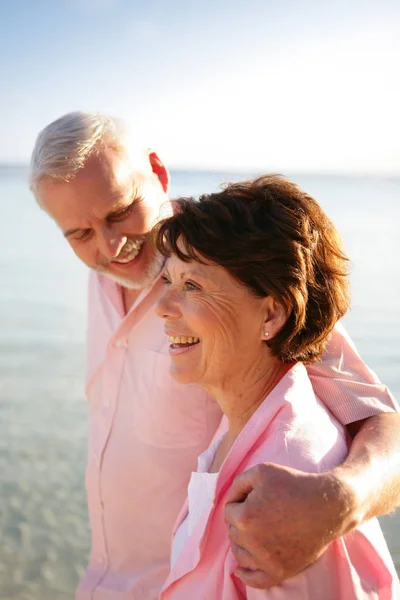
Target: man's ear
x: 275, y: 317
x: 160, y: 170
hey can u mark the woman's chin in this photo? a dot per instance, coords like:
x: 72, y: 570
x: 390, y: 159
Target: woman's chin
x: 183, y: 376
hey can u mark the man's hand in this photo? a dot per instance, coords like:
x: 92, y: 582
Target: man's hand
x: 281, y: 520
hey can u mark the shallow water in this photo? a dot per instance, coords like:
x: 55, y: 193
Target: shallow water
x: 43, y: 519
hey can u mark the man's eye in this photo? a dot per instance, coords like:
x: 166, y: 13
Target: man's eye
x: 119, y: 216
x: 83, y: 235
x: 190, y: 286
x: 165, y: 280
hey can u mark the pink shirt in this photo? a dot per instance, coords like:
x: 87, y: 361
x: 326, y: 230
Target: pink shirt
x: 146, y: 432
x: 292, y: 428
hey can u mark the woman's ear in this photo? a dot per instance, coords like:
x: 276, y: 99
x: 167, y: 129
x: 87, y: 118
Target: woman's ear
x: 275, y: 317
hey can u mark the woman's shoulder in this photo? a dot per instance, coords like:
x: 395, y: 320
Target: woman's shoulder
x: 303, y: 434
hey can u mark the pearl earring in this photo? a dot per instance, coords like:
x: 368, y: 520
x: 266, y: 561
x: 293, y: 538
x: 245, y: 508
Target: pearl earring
x: 266, y: 333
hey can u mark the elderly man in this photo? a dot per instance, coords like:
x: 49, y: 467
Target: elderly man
x: 105, y: 193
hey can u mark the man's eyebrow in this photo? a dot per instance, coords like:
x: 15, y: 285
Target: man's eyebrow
x: 122, y: 203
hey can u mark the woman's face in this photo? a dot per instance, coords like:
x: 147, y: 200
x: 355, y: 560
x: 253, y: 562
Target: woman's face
x: 215, y: 324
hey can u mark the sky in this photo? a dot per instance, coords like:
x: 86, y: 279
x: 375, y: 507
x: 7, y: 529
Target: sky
x: 274, y: 85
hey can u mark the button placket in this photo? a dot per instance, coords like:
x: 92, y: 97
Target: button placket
x: 121, y: 342
x: 116, y: 352
x: 106, y: 415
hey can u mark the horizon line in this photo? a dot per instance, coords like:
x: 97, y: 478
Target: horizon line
x: 250, y: 172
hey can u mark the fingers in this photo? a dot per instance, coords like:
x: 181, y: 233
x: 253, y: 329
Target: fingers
x: 233, y: 533
x: 235, y: 515
x: 276, y: 524
x: 241, y: 487
x: 249, y: 571
x: 243, y: 557
x: 256, y: 579
x: 236, y: 537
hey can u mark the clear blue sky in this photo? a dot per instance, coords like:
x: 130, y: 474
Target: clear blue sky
x: 293, y: 85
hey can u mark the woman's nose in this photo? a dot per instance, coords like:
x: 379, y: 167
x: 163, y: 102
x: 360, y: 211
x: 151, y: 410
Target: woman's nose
x: 166, y: 307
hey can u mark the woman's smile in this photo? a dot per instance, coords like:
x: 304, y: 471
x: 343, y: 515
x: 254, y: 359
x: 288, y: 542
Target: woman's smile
x: 181, y: 343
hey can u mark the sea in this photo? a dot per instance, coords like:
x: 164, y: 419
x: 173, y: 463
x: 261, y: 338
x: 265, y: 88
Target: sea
x: 44, y: 534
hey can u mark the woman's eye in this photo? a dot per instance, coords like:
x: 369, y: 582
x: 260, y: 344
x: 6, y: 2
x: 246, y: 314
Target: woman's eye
x: 165, y: 280
x: 190, y: 286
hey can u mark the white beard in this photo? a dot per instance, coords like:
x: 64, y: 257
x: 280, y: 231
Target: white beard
x: 148, y: 276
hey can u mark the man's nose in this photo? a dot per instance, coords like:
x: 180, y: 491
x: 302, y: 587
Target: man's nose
x: 111, y: 243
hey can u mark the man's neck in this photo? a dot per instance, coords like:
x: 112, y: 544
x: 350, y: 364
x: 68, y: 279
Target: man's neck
x: 129, y: 296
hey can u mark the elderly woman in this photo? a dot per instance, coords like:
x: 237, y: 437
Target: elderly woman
x: 255, y: 281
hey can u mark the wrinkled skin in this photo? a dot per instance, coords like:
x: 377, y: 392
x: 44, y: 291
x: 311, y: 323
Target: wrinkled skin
x: 281, y: 520
x: 271, y: 545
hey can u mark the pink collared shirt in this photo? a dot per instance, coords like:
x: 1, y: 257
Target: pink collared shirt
x: 293, y: 428
x: 146, y: 432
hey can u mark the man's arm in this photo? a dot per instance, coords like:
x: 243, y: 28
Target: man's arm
x: 281, y: 520
x: 371, y: 471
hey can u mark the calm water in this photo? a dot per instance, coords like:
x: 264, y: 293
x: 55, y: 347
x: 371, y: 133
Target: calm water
x: 43, y: 520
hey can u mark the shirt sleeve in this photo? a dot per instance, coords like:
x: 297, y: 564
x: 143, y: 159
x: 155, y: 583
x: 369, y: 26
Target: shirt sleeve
x: 357, y: 566
x: 345, y: 384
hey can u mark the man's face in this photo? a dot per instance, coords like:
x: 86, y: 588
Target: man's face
x: 106, y: 213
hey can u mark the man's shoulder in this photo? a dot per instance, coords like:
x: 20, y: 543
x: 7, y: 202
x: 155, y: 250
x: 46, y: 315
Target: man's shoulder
x: 101, y: 286
x: 97, y: 280
x: 94, y: 281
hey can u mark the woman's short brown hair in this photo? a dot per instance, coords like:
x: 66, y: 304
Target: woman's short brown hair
x: 275, y: 239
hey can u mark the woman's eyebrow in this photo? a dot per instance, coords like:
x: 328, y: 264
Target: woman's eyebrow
x: 182, y: 275
x: 195, y: 273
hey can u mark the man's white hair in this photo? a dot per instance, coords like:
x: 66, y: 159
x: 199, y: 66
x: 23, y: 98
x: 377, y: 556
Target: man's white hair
x: 63, y: 147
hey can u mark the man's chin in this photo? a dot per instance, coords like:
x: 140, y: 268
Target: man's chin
x: 138, y: 280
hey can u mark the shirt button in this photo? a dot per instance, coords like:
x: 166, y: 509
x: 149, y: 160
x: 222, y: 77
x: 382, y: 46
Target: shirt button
x: 121, y: 343
x: 101, y: 560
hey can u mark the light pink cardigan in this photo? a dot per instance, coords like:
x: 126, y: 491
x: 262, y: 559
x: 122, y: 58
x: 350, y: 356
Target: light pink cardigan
x: 293, y: 428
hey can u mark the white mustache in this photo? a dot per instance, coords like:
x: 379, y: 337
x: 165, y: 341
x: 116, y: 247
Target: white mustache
x: 129, y: 246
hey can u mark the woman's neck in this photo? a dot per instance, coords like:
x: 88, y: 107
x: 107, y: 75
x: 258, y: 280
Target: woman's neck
x: 241, y: 396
